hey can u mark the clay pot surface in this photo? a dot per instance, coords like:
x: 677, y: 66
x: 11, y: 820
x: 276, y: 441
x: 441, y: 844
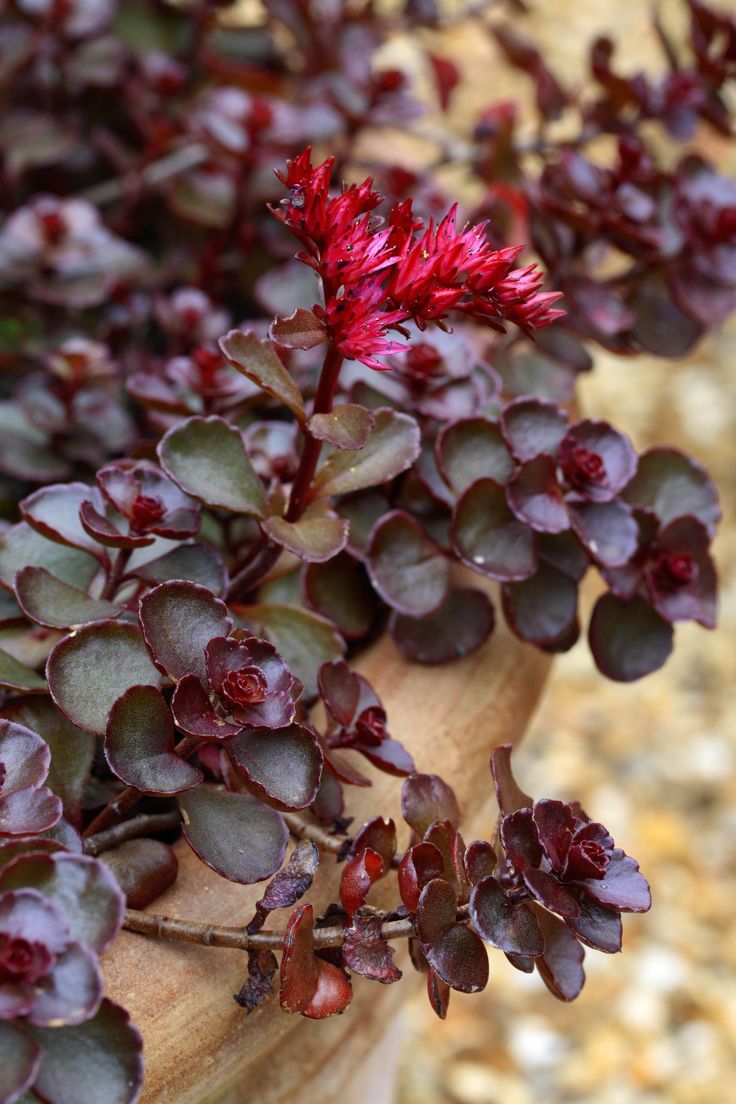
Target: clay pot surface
x: 200, y: 1047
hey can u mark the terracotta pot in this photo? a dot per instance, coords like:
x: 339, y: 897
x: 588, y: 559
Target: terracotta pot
x: 200, y: 1047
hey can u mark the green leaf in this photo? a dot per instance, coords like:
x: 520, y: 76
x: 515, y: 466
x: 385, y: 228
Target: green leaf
x: 259, y: 361
x: 72, y: 750
x: 300, y: 330
x: 304, y: 639
x: 234, y: 833
x: 207, y: 458
x: 100, y: 1060
x: 58, y: 605
x: 406, y: 568
x: 347, y: 426
x: 314, y: 539
x: 16, y: 676
x: 21, y: 546
x: 392, y: 448
x: 89, y: 670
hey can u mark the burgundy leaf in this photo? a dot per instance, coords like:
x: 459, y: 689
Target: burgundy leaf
x: 506, y: 924
x: 366, y: 952
x: 426, y: 798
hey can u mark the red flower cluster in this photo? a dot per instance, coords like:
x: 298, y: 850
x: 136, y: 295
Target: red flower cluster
x: 378, y: 274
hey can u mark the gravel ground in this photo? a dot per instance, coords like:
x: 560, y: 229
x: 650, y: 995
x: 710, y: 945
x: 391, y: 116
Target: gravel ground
x: 655, y: 761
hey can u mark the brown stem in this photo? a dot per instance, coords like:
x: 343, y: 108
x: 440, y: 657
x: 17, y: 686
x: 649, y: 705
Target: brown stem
x: 302, y: 829
x: 207, y: 935
x: 113, y: 812
x: 147, y: 824
x: 312, y: 447
x: 128, y: 797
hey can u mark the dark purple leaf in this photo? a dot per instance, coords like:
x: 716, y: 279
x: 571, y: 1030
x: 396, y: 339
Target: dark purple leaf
x: 660, y: 326
x: 358, y: 875
x: 532, y: 427
x: 340, y: 591
x: 178, y: 620
x: 97, y: 1060
x: 102, y: 531
x: 521, y: 840
x: 598, y: 927
x: 282, y: 766
x: 472, y: 449
x: 551, y: 893
x: 379, y: 835
x: 82, y: 887
x: 504, y: 923
x: 543, y: 609
x: 488, y: 538
x: 561, y: 964
x: 535, y: 496
x: 139, y: 744
x: 420, y: 865
x: 597, y: 460
x: 479, y: 860
x: 671, y: 484
x: 262, y: 966
x: 195, y: 715
x: 607, y: 529
x: 459, y: 627
x: 293, y: 880
x: 234, y: 833
x: 622, y: 887
x: 628, y: 639
x: 407, y: 569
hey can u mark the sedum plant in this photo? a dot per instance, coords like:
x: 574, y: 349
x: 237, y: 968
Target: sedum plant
x: 252, y: 423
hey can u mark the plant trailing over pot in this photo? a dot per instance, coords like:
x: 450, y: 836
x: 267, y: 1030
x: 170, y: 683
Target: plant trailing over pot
x: 204, y: 524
